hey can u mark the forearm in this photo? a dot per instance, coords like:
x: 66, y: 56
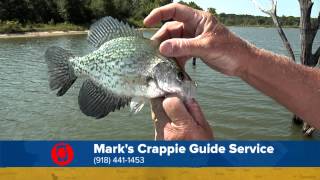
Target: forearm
x: 294, y: 86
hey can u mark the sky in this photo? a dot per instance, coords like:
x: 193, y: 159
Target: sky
x: 285, y: 7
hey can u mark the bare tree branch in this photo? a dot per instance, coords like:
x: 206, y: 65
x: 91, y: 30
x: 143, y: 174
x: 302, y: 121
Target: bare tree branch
x: 315, y: 26
x: 318, y: 23
x: 308, y: 31
x: 274, y: 6
x: 273, y: 13
x: 269, y: 12
x: 317, y: 53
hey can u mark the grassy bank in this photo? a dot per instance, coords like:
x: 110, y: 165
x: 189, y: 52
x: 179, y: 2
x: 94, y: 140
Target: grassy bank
x: 8, y: 27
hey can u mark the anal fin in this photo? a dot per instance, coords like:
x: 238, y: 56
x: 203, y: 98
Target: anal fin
x: 97, y: 102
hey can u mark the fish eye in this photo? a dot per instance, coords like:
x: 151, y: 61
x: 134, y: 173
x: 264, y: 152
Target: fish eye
x: 180, y: 76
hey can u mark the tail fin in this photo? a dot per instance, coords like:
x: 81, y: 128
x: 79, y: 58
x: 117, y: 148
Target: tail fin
x: 61, y: 74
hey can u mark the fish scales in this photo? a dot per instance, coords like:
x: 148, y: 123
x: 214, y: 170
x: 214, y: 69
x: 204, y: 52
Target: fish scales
x: 125, y: 68
x: 119, y: 64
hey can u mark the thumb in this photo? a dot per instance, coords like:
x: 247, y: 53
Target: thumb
x: 196, y: 112
x: 176, y: 111
x: 181, y: 47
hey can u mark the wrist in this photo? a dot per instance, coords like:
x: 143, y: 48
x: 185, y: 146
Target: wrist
x: 247, y: 58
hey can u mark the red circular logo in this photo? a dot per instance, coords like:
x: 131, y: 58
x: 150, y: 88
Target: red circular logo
x: 62, y: 154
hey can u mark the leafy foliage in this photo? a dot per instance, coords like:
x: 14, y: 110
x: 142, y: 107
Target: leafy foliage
x: 10, y: 27
x: 16, y: 27
x: 18, y: 14
x: 76, y: 11
x: 213, y: 11
x: 191, y: 4
x: 248, y: 20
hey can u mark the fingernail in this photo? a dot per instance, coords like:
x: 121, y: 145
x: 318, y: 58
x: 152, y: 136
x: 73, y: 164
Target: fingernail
x: 166, y: 48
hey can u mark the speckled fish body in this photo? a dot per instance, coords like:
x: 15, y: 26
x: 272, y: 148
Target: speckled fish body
x: 123, y: 65
x: 125, y: 68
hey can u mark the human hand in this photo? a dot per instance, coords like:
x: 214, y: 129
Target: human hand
x: 195, y: 33
x: 175, y: 120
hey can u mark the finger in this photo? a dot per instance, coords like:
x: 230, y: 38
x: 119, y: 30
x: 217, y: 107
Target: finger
x: 175, y: 11
x: 169, y: 30
x: 197, y: 114
x: 159, y: 117
x: 181, y: 47
x: 176, y: 111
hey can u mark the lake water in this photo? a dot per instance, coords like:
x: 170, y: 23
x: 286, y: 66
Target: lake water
x: 29, y: 110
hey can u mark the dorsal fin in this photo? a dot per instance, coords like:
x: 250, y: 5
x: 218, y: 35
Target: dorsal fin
x: 109, y: 28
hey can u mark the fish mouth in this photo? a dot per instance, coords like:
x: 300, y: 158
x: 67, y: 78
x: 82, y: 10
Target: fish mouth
x: 187, y: 89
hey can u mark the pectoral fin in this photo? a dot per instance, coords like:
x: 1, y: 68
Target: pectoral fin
x: 97, y: 102
x: 136, y: 104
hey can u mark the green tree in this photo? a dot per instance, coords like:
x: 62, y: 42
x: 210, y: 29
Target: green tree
x: 191, y: 4
x: 141, y: 8
x: 42, y: 11
x: 124, y: 9
x: 213, y: 11
x: 134, y: 11
x: 101, y: 8
x: 73, y: 10
x: 14, y: 10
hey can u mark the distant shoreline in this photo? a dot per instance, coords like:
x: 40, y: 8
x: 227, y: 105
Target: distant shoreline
x: 82, y: 32
x: 41, y: 34
x: 54, y: 33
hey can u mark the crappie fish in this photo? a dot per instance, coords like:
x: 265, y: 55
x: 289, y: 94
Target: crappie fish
x: 125, y: 68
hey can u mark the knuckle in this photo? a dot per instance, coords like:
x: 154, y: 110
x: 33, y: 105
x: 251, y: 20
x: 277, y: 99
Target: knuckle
x: 194, y: 44
x: 154, y: 11
x: 179, y: 47
x: 169, y: 24
x: 206, y: 40
x: 176, y: 4
x: 198, y: 43
x: 209, y: 17
x: 207, y: 14
x: 187, y: 44
x: 166, y: 25
x: 173, y: 23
